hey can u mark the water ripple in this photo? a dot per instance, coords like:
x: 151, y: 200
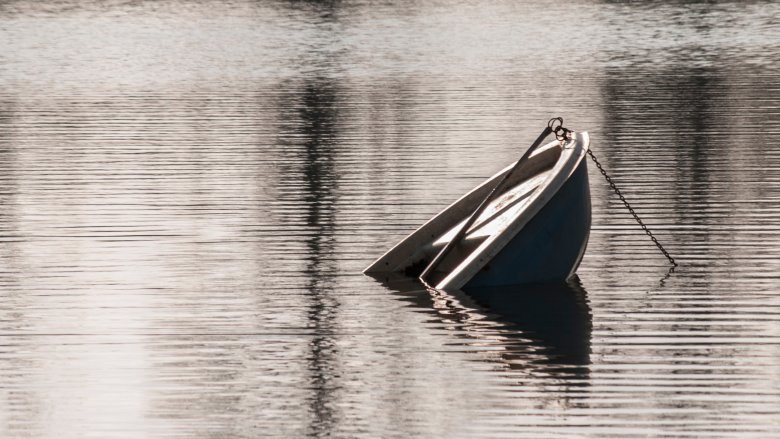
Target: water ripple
x: 190, y: 190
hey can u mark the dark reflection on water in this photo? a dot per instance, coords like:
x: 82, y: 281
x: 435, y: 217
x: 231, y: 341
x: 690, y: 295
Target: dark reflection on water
x: 309, y: 111
x: 556, y: 316
x: 317, y: 114
x: 190, y: 190
x: 544, y: 329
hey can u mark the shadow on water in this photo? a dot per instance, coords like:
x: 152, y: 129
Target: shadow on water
x: 543, y: 328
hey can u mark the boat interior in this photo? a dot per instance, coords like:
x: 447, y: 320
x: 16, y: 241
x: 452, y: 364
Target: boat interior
x: 505, y: 207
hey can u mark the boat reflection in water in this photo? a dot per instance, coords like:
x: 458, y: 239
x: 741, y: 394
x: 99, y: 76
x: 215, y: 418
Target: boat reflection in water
x: 542, y: 329
x: 555, y: 317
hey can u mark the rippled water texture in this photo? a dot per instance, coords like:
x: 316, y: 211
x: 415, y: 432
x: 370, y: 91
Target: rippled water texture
x: 190, y: 190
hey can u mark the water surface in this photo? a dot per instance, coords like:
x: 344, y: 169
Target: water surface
x: 190, y: 190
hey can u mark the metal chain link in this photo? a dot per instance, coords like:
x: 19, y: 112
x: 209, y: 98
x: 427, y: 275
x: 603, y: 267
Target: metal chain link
x: 630, y: 209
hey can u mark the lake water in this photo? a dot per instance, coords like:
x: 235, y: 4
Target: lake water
x: 189, y: 191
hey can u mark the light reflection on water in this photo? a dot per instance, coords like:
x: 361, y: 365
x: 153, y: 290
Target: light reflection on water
x: 189, y: 191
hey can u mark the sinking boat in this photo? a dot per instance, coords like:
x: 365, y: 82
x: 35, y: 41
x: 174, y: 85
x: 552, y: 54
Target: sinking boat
x: 527, y: 224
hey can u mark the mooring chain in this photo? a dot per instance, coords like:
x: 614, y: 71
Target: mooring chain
x: 630, y: 209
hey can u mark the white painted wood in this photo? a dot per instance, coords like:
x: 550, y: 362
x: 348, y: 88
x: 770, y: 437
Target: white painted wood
x: 500, y: 211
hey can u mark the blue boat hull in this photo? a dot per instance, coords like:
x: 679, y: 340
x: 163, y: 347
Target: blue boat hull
x: 551, y: 245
